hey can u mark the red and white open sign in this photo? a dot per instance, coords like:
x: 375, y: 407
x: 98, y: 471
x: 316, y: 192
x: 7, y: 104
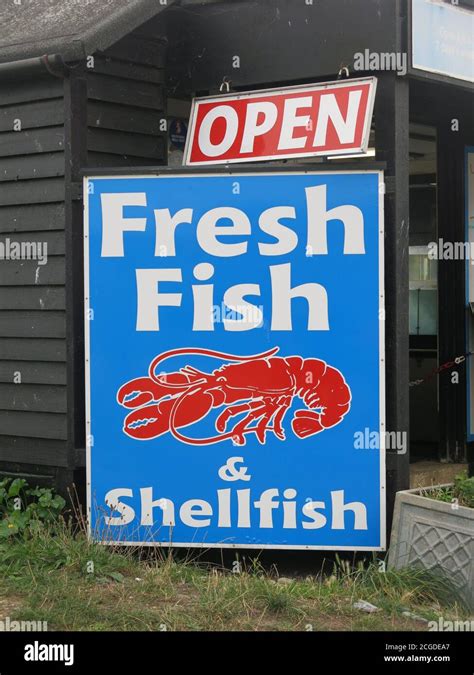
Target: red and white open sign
x: 305, y: 121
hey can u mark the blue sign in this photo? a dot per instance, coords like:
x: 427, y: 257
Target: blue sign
x: 443, y: 39
x: 234, y: 359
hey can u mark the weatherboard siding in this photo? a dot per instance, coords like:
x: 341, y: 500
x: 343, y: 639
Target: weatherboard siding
x: 126, y: 104
x: 114, y: 121
x: 32, y: 296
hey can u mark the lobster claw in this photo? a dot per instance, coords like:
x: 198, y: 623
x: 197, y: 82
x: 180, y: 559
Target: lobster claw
x: 148, y: 421
x: 151, y: 403
x: 154, y: 403
x: 139, y: 392
x: 144, y: 390
x: 151, y: 421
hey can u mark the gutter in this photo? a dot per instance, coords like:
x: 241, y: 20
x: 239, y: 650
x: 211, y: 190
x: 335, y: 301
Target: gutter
x: 63, y: 53
x: 53, y: 65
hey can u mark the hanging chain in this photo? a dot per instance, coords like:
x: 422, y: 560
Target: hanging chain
x: 446, y: 366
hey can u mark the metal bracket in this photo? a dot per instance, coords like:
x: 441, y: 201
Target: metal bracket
x: 225, y: 85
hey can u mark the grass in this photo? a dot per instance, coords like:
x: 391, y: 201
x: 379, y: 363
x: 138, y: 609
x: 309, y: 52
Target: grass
x: 461, y: 492
x: 59, y: 576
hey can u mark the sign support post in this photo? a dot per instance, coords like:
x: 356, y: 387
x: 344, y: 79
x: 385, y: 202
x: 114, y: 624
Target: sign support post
x: 391, y: 133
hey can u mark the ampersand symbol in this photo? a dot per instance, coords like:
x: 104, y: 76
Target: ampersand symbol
x: 230, y: 472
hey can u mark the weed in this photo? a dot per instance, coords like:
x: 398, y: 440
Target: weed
x: 24, y: 509
x: 462, y: 490
x: 55, y: 573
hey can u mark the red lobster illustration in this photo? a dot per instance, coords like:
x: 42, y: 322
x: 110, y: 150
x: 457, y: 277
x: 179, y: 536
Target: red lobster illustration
x: 261, y: 386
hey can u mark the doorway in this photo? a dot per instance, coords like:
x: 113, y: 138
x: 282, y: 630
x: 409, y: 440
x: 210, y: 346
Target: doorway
x: 423, y: 300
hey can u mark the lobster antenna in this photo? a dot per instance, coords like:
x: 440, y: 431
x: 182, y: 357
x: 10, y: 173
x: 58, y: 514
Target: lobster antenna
x: 193, y: 441
x: 201, y: 352
x: 201, y: 441
x: 171, y: 385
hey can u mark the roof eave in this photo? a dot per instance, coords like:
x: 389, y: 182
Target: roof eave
x: 68, y: 49
x: 73, y: 48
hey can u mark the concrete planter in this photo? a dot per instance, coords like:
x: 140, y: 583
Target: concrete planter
x: 434, y: 535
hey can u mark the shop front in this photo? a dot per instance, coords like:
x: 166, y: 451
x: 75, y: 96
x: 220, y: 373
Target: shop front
x: 335, y: 140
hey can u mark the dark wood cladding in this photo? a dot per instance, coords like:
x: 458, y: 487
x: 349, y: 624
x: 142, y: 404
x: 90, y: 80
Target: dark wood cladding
x: 126, y: 105
x: 32, y: 296
x: 112, y: 89
x: 40, y: 451
x: 31, y: 141
x: 49, y: 298
x: 37, y: 191
x: 37, y: 114
x: 43, y: 324
x: 34, y: 89
x: 33, y: 372
x: 32, y: 425
x: 47, y: 165
x: 32, y: 218
x: 110, y: 114
x: 33, y: 349
x: 29, y: 273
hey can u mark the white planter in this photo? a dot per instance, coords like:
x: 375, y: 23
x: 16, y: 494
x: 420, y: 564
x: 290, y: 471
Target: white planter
x: 434, y: 535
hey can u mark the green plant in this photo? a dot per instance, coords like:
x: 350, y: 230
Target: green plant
x: 462, y: 490
x: 24, y: 509
x: 59, y: 575
x: 277, y: 600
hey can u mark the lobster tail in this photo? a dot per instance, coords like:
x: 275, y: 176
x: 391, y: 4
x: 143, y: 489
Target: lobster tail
x: 325, y: 393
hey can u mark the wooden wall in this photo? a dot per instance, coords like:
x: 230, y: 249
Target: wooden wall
x: 32, y: 296
x: 126, y: 103
x: 105, y: 116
